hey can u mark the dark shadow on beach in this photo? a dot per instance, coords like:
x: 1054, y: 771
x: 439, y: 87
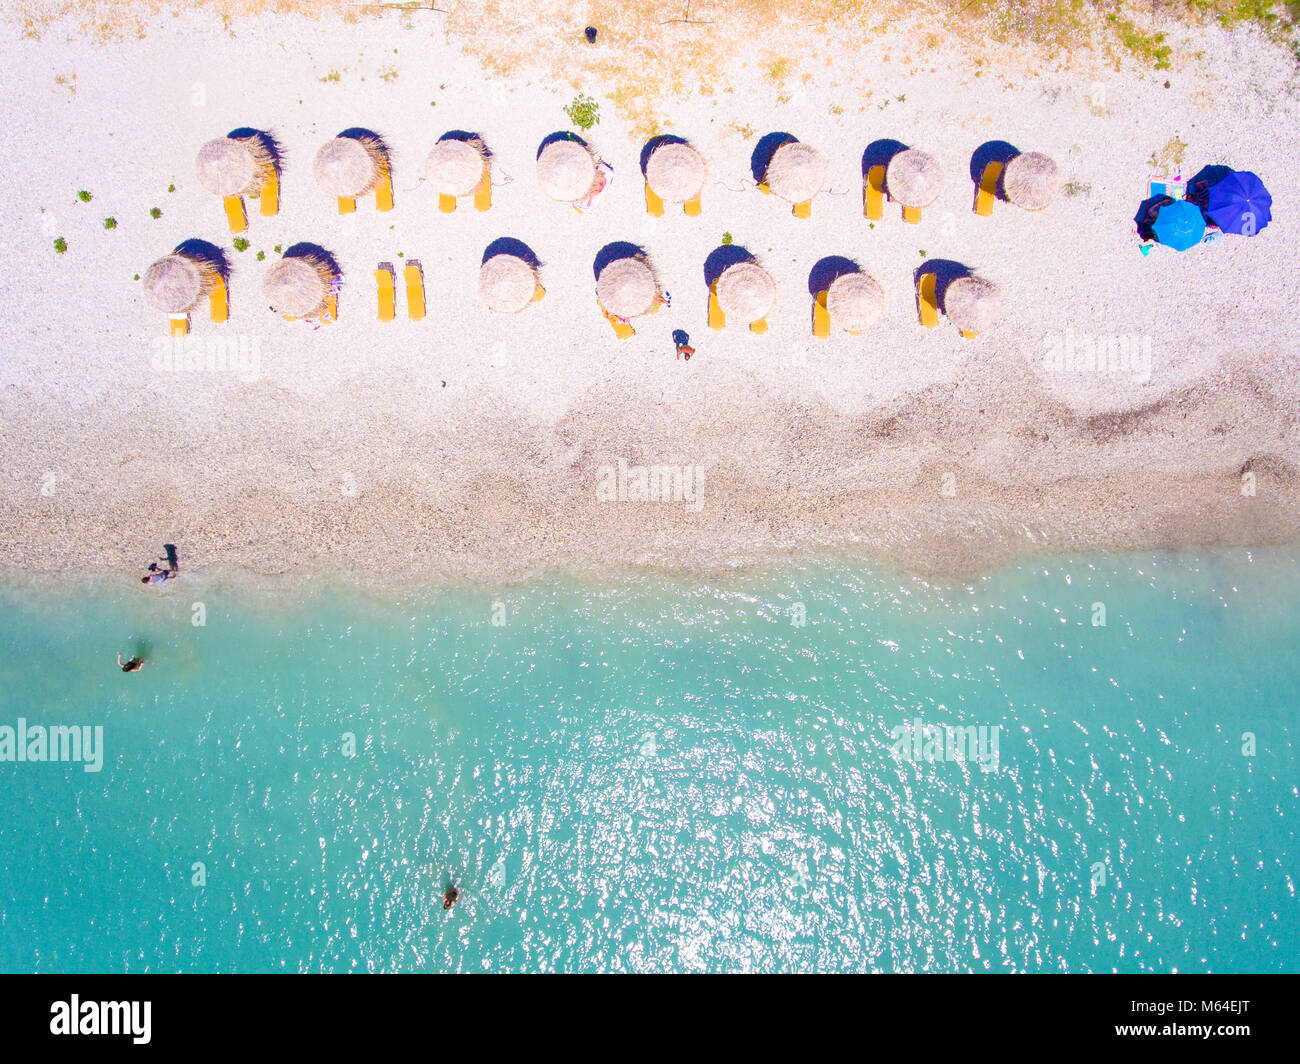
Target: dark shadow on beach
x: 308, y: 250
x: 766, y: 147
x: 205, y: 251
x: 879, y: 153
x: 945, y: 272
x: 467, y: 137
x: 827, y: 271
x: 561, y: 134
x: 991, y: 151
x: 722, y: 258
x: 655, y: 143
x: 268, y: 142
x: 619, y: 249
x: 508, y: 245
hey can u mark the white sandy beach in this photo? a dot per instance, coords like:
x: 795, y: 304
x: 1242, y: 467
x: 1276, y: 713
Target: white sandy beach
x: 470, y: 444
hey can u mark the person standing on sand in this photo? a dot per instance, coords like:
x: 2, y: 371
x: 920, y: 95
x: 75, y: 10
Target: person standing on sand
x: 134, y: 665
x: 683, y: 342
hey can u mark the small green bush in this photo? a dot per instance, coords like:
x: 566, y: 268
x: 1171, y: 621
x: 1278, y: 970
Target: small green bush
x: 583, y: 112
x: 241, y: 244
x: 110, y: 223
x: 84, y: 196
x: 60, y: 245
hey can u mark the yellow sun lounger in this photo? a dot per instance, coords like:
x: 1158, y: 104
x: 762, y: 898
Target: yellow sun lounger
x: 331, y: 314
x: 414, y: 274
x: 762, y: 187
x: 180, y: 324
x: 236, y: 216
x: 218, y: 301
x: 622, y: 329
x: 988, y: 189
x: 270, y: 198
x: 446, y: 204
x: 821, y: 317
x: 759, y: 326
x: 911, y: 215
x: 387, y: 302
x: 539, y: 293
x: 483, y: 194
x: 803, y: 210
x: 969, y: 335
x: 717, y: 320
x: 693, y: 207
x: 927, y: 305
x: 873, y: 194
x: 384, y: 190
x: 654, y: 206
x: 346, y: 205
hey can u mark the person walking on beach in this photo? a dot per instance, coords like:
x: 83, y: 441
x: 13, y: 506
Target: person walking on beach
x: 683, y: 342
x: 134, y: 665
x: 158, y: 575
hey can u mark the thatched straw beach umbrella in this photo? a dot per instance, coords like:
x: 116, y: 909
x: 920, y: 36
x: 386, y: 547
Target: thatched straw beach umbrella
x: 351, y: 166
x: 455, y: 167
x: 507, y: 284
x: 233, y: 166
x: 746, y: 292
x: 627, y: 288
x: 176, y: 283
x: 796, y: 173
x: 914, y: 178
x: 972, y: 304
x: 299, y: 287
x: 855, y: 301
x: 676, y: 172
x: 1030, y: 180
x: 566, y: 170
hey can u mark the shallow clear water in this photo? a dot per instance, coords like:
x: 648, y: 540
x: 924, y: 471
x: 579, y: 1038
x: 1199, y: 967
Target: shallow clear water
x: 652, y: 774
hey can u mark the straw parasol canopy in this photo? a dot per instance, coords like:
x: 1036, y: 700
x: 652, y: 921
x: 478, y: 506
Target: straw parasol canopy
x: 455, y: 167
x: 566, y: 170
x: 350, y: 166
x: 627, y: 287
x: 746, y: 291
x: 233, y: 166
x: 972, y: 303
x: 175, y: 283
x: 855, y: 301
x: 506, y: 283
x: 796, y: 173
x: 676, y: 172
x: 914, y: 178
x: 298, y: 286
x: 1030, y: 180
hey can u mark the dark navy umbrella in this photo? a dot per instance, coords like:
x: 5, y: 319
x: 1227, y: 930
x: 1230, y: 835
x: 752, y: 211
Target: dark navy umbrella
x: 1179, y: 225
x: 1240, y: 204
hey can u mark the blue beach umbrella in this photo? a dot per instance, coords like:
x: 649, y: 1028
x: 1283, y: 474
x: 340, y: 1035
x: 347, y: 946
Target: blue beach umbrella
x: 1240, y: 204
x: 1179, y: 225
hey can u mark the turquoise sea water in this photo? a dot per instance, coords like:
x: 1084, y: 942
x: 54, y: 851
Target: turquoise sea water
x: 658, y: 774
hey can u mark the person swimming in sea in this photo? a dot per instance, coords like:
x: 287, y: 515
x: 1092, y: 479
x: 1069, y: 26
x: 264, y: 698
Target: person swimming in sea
x: 450, y: 896
x: 134, y: 665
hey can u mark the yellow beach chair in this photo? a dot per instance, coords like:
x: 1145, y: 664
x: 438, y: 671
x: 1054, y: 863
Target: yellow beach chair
x: 218, y: 301
x: 759, y: 326
x: 446, y: 204
x: 180, y: 324
x: 331, y: 314
x: 873, y: 194
x: 622, y: 329
x: 347, y: 206
x: 539, y: 293
x: 387, y: 302
x: 414, y: 274
x: 483, y: 194
x: 270, y: 199
x: 384, y: 190
x: 717, y: 320
x: 762, y: 187
x: 927, y: 305
x: 968, y: 335
x: 803, y: 210
x: 988, y: 189
x: 693, y: 207
x: 654, y: 206
x: 911, y: 215
x: 236, y: 215
x: 821, y: 317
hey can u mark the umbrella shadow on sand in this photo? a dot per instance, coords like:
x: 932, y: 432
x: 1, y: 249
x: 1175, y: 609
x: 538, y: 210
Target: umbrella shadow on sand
x: 880, y: 152
x: 619, y: 249
x: 945, y: 272
x: 827, y: 271
x: 561, y: 134
x: 721, y: 259
x: 992, y: 151
x: 766, y: 147
x: 655, y: 143
x: 265, y: 140
x: 207, y: 252
x: 508, y: 245
x: 1200, y: 183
